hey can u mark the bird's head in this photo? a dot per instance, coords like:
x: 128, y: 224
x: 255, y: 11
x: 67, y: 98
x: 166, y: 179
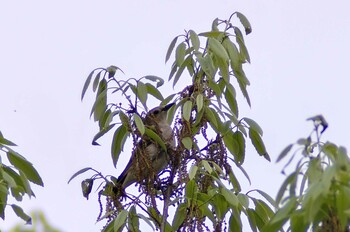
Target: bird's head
x: 157, y: 115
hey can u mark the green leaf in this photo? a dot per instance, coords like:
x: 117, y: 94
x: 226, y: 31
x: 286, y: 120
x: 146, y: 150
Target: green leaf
x: 207, y: 166
x: 240, y: 141
x: 251, y: 219
x: 184, y: 64
x: 96, y: 81
x: 156, y: 79
x: 100, y: 104
x: 235, y: 223
x: 212, y: 34
x: 267, y: 197
x: 25, y: 166
x: 187, y: 142
x: 242, y: 48
x: 170, y: 49
x: 154, y: 92
x: 230, y: 96
x: 154, y: 136
x: 149, y: 222
x: 142, y: 92
x: 21, y: 182
x: 133, y: 220
x: 81, y: 171
x: 139, y: 124
x: 118, y: 142
x: 232, y: 145
x: 243, y: 199
x: 284, y: 152
x: 253, y: 125
x: 199, y: 102
x: 119, y: 222
x: 192, y: 172
x: 180, y: 216
x: 7, y: 178
x: 245, y: 23
x: 211, y: 117
x: 180, y: 53
x: 4, y: 141
x: 86, y: 84
x: 101, y: 133
x: 186, y: 110
x: 230, y: 197
x: 217, y: 49
x: 258, y: 143
x: 194, y: 40
x: 20, y: 213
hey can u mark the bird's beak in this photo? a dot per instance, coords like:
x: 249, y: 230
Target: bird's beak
x: 167, y: 107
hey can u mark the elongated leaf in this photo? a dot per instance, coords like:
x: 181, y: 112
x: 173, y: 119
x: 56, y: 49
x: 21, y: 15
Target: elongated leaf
x: 81, y: 171
x: 240, y: 142
x: 149, y: 222
x: 155, y: 137
x: 230, y: 96
x: 192, y: 172
x: 284, y: 152
x: 217, y: 49
x: 251, y: 219
x: 25, y: 166
x: 118, y: 142
x: 230, y: 197
x: 242, y: 48
x: 180, y: 53
x: 20, y: 213
x: 267, y: 197
x: 232, y: 145
x: 199, y: 102
x: 180, y: 216
x: 212, y: 34
x: 139, y: 124
x: 133, y: 220
x: 96, y: 81
x: 142, y: 93
x: 181, y: 69
x: 254, y: 125
x: 170, y: 49
x: 101, y: 133
x: 194, y: 40
x: 154, y: 92
x: 187, y: 142
x: 245, y: 23
x: 258, y: 143
x: 156, y: 79
x: 119, y: 222
x: 186, y: 110
x: 4, y: 141
x: 86, y: 84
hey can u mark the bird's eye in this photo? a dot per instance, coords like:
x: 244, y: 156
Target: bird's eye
x: 156, y: 112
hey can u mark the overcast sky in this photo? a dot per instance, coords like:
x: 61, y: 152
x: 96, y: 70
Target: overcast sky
x: 299, y: 51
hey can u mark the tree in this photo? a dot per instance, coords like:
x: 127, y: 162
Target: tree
x: 200, y: 183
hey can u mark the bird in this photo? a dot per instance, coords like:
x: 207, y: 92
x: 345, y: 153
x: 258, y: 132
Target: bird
x: 139, y: 167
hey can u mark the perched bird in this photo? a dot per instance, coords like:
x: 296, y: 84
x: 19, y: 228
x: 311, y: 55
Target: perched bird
x: 148, y: 158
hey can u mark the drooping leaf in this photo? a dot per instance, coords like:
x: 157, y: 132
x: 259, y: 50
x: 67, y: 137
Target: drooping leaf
x: 186, y: 110
x: 230, y: 96
x: 156, y: 79
x: 253, y: 125
x: 101, y: 133
x: 194, y: 39
x: 192, y: 172
x: 118, y: 142
x: 180, y: 216
x: 199, y: 102
x: 120, y: 220
x: 133, y: 220
x: 139, y: 124
x: 258, y: 143
x: 230, y: 197
x: 86, y: 84
x: 170, y: 49
x: 245, y: 23
x: 242, y: 48
x: 150, y: 133
x: 81, y: 171
x: 25, y: 166
x: 142, y: 93
x: 180, y: 53
x: 179, y: 72
x: 21, y: 214
x: 217, y: 49
x: 187, y: 142
x: 284, y: 152
x: 212, y: 34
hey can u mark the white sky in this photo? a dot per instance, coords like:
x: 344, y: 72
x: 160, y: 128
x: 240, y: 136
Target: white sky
x: 299, y: 51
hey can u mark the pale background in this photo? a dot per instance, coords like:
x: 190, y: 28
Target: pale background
x: 300, y: 59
